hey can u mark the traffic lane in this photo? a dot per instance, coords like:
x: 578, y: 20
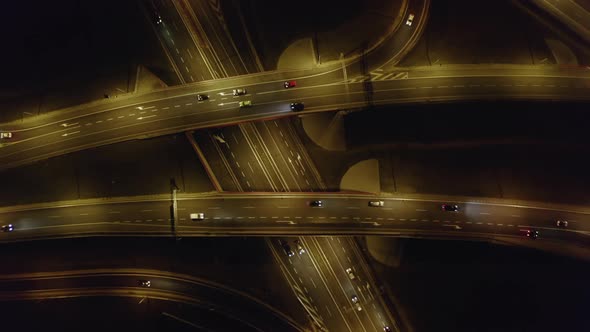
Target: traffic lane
x: 258, y: 82
x: 336, y: 95
x: 338, y: 294
x: 335, y: 256
x: 262, y: 82
x: 216, y: 35
x: 189, y: 57
x: 376, y: 310
x: 318, y: 288
x: 330, y: 95
x: 267, y: 159
x: 332, y: 205
x: 284, y: 158
x: 250, y: 225
x: 235, y: 305
x: 167, y: 120
x: 499, y: 71
x: 321, y: 296
x: 300, y: 164
x: 572, y: 12
x: 81, y: 220
x: 242, y: 162
x: 302, y: 269
x: 399, y: 41
x: 298, y: 209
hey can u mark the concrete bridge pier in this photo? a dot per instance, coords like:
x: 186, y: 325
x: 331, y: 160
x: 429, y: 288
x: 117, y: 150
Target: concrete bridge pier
x: 386, y: 250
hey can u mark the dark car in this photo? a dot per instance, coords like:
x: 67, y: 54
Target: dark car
x: 201, y: 97
x: 145, y: 283
x: 386, y: 329
x: 287, y: 248
x: 561, y: 223
x: 532, y: 234
x: 290, y: 84
x: 297, y: 106
x: 7, y: 228
x: 316, y: 203
x: 157, y: 18
x: 450, y: 207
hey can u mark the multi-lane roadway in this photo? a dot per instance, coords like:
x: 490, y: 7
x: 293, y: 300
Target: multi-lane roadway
x: 281, y: 214
x: 236, y: 307
x: 171, y: 111
x: 326, y: 273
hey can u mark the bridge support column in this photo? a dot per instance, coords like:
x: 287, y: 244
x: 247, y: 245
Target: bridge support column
x: 386, y: 250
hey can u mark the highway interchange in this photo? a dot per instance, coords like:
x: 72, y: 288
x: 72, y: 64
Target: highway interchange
x: 329, y: 87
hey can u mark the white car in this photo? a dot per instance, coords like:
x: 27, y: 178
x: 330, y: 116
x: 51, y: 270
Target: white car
x: 410, y: 20
x: 350, y: 274
x: 355, y: 300
x: 239, y: 92
x: 197, y: 216
x: 5, y: 135
x: 561, y: 223
x: 376, y: 203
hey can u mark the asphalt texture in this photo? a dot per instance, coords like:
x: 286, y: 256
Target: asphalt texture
x: 274, y: 214
x: 215, y: 260
x: 156, y: 114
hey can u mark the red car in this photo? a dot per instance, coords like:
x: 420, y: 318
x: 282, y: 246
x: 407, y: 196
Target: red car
x: 290, y: 84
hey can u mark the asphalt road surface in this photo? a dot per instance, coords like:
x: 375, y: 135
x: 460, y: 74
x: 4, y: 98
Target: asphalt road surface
x: 259, y: 156
x: 318, y: 274
x: 157, y: 114
x: 280, y: 214
x: 236, y: 306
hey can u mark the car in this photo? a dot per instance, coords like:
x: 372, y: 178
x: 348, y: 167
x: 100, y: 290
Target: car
x: 157, y: 18
x: 561, y: 223
x: 386, y: 329
x: 376, y: 203
x: 297, y: 106
x: 450, y: 207
x: 287, y: 248
x: 350, y: 273
x: 410, y: 20
x: 5, y: 134
x: 316, y: 203
x: 532, y: 233
x: 300, y: 249
x: 355, y: 300
x: 145, y: 283
x: 7, y: 228
x: 245, y: 103
x: 239, y: 92
x: 201, y: 97
x: 290, y: 84
x: 197, y: 216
